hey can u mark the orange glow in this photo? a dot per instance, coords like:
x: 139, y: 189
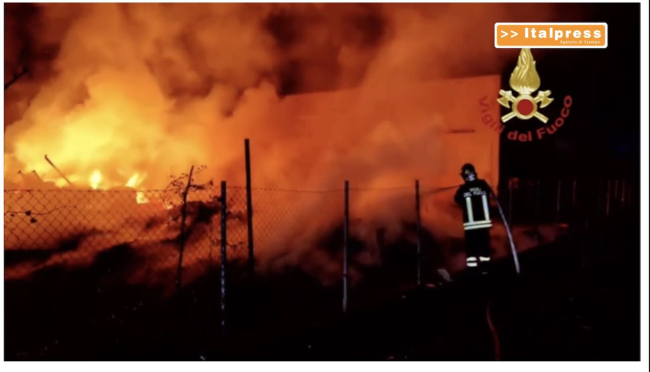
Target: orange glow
x: 141, y: 198
x: 142, y: 92
x: 133, y: 181
x: 95, y: 179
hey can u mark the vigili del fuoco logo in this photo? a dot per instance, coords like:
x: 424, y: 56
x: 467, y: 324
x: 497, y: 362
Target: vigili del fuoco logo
x: 526, y: 105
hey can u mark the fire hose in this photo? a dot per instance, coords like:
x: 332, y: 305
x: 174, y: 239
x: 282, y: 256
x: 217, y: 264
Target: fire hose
x: 515, y: 257
x: 495, y: 336
x: 513, y: 249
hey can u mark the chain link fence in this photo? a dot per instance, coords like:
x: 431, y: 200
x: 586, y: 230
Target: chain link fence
x: 290, y: 226
x: 97, y: 265
x: 71, y: 228
x: 538, y: 201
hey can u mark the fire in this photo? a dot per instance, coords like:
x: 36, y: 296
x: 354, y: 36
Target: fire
x: 165, y: 112
x: 133, y: 181
x: 60, y: 182
x: 161, y: 87
x: 95, y: 179
x: 141, y: 198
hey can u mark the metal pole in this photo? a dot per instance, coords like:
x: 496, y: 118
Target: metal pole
x: 510, y: 200
x: 249, y: 210
x: 37, y: 176
x: 224, y: 260
x: 58, y: 171
x: 419, y: 229
x: 346, y: 226
x: 183, y: 237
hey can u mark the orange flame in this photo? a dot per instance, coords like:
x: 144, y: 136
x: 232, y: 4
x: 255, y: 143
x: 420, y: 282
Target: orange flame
x: 95, y: 179
x: 141, y: 198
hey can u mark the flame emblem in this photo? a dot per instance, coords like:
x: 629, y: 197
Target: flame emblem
x: 525, y: 81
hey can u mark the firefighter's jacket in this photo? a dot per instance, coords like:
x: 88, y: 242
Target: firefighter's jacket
x: 473, y: 197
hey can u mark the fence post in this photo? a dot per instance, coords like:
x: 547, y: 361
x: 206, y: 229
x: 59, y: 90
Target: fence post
x: 249, y: 210
x: 346, y: 226
x: 418, y: 232
x: 183, y: 238
x: 510, y: 188
x: 224, y: 260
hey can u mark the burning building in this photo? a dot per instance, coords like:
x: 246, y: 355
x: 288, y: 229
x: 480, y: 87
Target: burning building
x: 420, y: 130
x: 137, y: 93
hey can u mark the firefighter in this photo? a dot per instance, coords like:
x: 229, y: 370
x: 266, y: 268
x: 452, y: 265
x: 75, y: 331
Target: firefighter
x: 473, y: 197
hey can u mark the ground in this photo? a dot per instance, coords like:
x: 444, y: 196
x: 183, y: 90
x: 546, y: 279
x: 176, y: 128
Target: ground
x: 576, y: 299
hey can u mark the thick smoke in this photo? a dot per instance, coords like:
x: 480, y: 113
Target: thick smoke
x: 156, y: 88
x: 131, y: 88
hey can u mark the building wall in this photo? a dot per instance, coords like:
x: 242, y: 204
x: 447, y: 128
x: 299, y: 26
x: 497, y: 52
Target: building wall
x: 430, y: 129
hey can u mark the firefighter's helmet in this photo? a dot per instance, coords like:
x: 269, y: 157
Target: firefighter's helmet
x: 468, y: 172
